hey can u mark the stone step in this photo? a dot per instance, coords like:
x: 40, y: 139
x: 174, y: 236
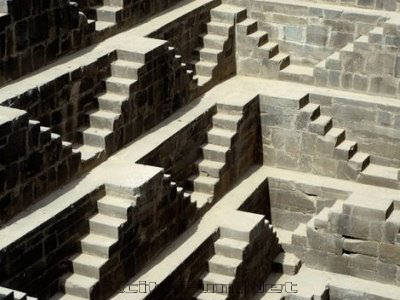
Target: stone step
x: 230, y: 14
x: 335, y: 136
x: 230, y: 248
x: 115, y: 206
x: 104, y: 119
x: 213, y: 41
x: 297, y: 73
x: 215, y: 152
x: 210, y: 55
x: 6, y: 294
x: 278, y: 62
x: 247, y: 232
x: 220, y: 28
x: 99, y: 245
x: 96, y: 137
x: 105, y: 225
x: 217, y: 283
x: 102, y: 26
x: 285, y: 238
x: 224, y: 265
x: 126, y: 69
x: 119, y: 85
x: 258, y: 38
x: 286, y: 263
x: 268, y: 50
x: 299, y: 236
x: 202, y: 80
x: 246, y: 27
x: 321, y: 219
x: 112, y: 102
x: 110, y: 14
x: 90, y: 155
x: 345, y: 150
x: 359, y: 161
x: 375, y: 36
x: 226, y: 121
x: 211, y: 168
x: 61, y: 296
x: 201, y: 199
x: 89, y: 265
x: 80, y: 286
x: 381, y: 176
x: 204, y: 184
x: 221, y: 137
x: 205, y: 68
x: 321, y: 125
x: 201, y: 295
x: 313, y: 111
x: 117, y: 3
x: 333, y: 62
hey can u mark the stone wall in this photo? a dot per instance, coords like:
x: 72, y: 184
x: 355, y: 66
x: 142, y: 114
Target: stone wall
x: 34, y: 262
x: 184, y: 33
x: 375, y: 126
x: 63, y: 103
x: 386, y: 5
x: 33, y: 33
x: 309, y: 32
x: 33, y: 162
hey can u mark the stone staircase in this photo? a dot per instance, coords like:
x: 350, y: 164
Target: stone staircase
x: 225, y: 266
x: 100, y: 249
x: 98, y: 140
x: 254, y: 44
x: 213, y: 168
x: 359, y: 166
x: 298, y: 73
x: 287, y: 263
x: 9, y: 294
x: 217, y: 45
x: 107, y: 15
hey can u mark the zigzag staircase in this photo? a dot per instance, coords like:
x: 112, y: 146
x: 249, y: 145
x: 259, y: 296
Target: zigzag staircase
x: 359, y: 165
x: 217, y: 153
x: 217, y: 43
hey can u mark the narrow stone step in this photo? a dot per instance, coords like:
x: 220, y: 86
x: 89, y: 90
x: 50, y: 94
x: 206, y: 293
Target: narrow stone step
x: 110, y: 14
x: 101, y: 25
x: 269, y: 50
x: 215, y: 152
x: 126, y: 69
x: 201, y: 295
x: 96, y: 137
x: 248, y: 26
x: 321, y: 125
x: 214, y: 41
x: 360, y: 161
x: 210, y: 168
x: 103, y: 119
x: 119, y: 85
x: 217, y: 283
x: 117, y: 3
x: 335, y: 136
x: 201, y: 199
x: 258, y: 38
x: 88, y: 265
x: 230, y: 248
x: 345, y: 150
x: 228, y: 14
x: 381, y: 176
x: 221, y: 137
x: 202, y: 80
x: 280, y: 61
x: 224, y: 265
x: 205, y: 68
x: 210, y: 55
x: 205, y: 184
x: 297, y: 73
x: 105, y: 225
x: 286, y: 263
x: 90, y: 154
x: 313, y: 111
x: 219, y: 28
x: 61, y: 296
x: 115, y: 206
x: 80, y: 286
x: 285, y: 238
x: 226, y: 121
x: 98, y: 245
x: 112, y: 102
x: 299, y: 236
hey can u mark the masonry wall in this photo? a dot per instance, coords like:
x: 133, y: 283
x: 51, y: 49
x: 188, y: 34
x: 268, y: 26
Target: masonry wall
x: 34, y: 262
x: 33, y: 162
x: 375, y: 126
x: 306, y: 30
x: 63, y: 103
x: 385, y: 5
x: 34, y: 33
